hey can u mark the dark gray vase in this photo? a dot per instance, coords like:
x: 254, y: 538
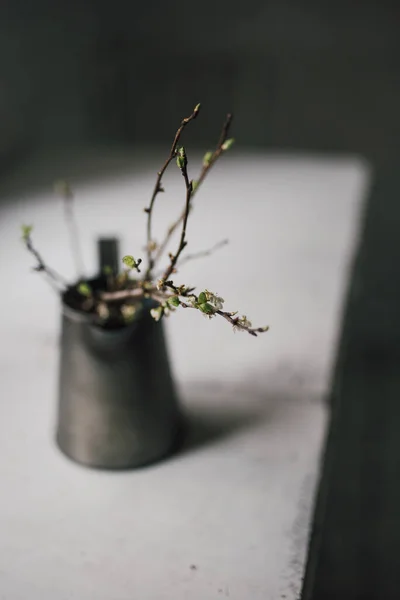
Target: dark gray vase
x: 117, y: 402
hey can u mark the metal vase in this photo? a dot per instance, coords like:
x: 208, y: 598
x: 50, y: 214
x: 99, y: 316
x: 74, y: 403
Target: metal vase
x: 117, y: 402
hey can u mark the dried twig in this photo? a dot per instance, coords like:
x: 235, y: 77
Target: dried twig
x: 120, y: 295
x: 182, y: 163
x: 63, y: 189
x: 207, y: 165
x: 162, y: 297
x: 233, y: 320
x: 203, y: 253
x: 158, y: 188
x: 41, y: 266
x: 200, y: 254
x: 119, y: 299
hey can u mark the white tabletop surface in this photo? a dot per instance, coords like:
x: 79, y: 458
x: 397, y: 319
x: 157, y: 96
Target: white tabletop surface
x: 230, y: 516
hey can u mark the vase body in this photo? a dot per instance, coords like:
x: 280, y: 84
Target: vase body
x: 117, y: 403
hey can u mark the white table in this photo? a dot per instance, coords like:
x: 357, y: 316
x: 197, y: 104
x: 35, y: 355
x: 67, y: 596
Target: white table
x: 231, y: 516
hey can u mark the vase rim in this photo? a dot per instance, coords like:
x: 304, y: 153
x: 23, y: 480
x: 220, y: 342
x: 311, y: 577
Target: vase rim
x: 78, y: 315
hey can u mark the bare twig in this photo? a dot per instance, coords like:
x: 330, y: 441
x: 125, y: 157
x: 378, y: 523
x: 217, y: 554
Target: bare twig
x: 119, y: 295
x: 158, y: 188
x: 205, y: 169
x: 41, y: 266
x: 182, y: 241
x: 203, y: 253
x: 162, y: 297
x: 76, y: 249
x: 233, y: 320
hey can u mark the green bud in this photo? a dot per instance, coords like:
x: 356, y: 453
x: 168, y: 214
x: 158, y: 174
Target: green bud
x: 26, y: 231
x: 84, y: 289
x: 174, y: 301
x: 195, y: 185
x: 207, y: 158
x: 197, y: 108
x: 107, y: 270
x: 181, y: 159
x: 228, y: 144
x: 206, y: 308
x: 202, y: 298
x: 128, y: 312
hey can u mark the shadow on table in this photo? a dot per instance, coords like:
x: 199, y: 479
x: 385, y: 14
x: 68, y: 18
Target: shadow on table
x: 215, y: 413
x: 206, y: 427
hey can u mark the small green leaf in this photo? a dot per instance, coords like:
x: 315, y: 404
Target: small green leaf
x: 26, y: 231
x: 84, y: 289
x: 107, y: 270
x: 202, y: 298
x: 131, y: 263
x: 174, y: 301
x: 207, y: 158
x: 228, y: 144
x: 195, y: 185
x: 206, y: 308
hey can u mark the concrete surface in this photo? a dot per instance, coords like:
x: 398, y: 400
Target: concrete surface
x: 230, y: 515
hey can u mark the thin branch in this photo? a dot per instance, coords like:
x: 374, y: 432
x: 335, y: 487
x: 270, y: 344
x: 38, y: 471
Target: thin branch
x: 205, y: 169
x: 150, y: 291
x: 225, y: 131
x: 125, y: 294
x: 203, y: 253
x: 237, y: 325
x: 162, y: 296
x: 235, y: 321
x: 182, y: 241
x: 158, y: 188
x: 73, y: 233
x: 41, y: 266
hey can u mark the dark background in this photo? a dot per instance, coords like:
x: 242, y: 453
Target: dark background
x: 304, y: 75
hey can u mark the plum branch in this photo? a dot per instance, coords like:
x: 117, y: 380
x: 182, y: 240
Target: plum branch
x: 209, y: 160
x: 158, y: 188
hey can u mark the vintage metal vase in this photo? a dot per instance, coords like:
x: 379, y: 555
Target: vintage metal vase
x: 117, y: 402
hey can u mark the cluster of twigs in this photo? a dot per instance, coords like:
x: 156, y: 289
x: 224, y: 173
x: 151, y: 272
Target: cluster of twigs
x: 122, y: 293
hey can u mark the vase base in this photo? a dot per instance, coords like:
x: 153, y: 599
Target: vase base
x: 127, y: 463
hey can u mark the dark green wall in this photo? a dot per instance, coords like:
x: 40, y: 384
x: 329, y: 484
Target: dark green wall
x: 304, y: 75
